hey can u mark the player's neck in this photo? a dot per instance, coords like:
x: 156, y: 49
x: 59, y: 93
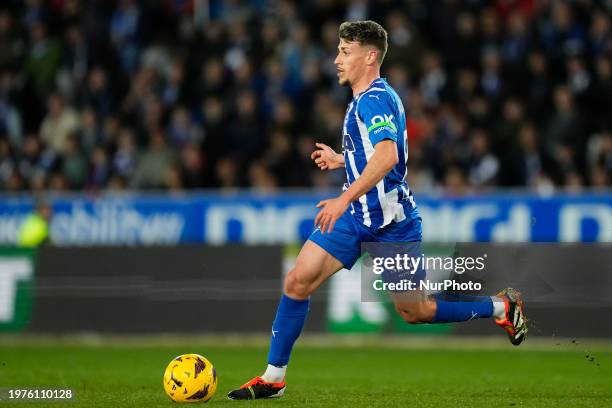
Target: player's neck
x: 365, y: 82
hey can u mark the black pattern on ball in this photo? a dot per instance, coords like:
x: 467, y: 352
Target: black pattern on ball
x: 200, y: 394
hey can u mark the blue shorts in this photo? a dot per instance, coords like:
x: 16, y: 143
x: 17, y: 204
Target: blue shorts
x: 344, y: 242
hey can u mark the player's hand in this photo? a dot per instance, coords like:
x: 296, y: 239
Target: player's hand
x: 325, y: 157
x: 330, y: 211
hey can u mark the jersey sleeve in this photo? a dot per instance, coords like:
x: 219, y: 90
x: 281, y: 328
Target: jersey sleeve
x: 377, y: 113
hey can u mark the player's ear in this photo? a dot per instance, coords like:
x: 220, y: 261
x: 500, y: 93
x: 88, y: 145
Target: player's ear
x: 372, y: 56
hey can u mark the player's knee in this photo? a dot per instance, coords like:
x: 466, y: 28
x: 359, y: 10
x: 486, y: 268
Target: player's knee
x: 409, y: 316
x: 416, y: 312
x: 295, y: 287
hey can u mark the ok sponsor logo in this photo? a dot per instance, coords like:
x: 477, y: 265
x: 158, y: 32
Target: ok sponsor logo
x: 384, y: 118
x: 383, y: 121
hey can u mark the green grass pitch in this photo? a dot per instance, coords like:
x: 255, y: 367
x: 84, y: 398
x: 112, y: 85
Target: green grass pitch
x: 129, y: 374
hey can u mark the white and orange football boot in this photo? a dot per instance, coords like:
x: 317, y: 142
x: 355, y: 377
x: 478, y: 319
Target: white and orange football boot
x: 514, y: 321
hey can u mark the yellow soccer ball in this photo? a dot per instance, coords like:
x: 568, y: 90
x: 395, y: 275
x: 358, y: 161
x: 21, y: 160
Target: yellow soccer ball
x: 190, y: 378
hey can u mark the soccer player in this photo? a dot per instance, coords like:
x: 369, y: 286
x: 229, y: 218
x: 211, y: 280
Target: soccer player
x: 376, y: 206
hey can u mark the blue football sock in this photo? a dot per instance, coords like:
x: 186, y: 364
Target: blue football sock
x: 287, y: 326
x: 455, y: 307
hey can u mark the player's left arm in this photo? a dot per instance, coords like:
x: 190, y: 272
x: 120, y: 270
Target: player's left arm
x: 382, y: 132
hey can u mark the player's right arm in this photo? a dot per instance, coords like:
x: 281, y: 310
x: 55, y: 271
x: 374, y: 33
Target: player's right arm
x: 326, y: 158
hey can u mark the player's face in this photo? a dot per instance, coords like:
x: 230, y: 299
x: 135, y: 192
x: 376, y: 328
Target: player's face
x: 351, y: 62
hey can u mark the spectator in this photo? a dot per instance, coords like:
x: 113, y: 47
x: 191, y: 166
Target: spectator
x: 154, y: 164
x: 10, y: 117
x: 126, y: 155
x: 243, y: 137
x: 124, y: 33
x: 192, y: 167
x: 97, y: 93
x: 181, y: 129
x: 74, y: 163
x: 405, y: 43
x: 483, y: 165
x: 433, y: 79
x: 600, y: 34
x: 564, y: 125
x: 75, y: 60
x: 602, y: 93
x: 31, y: 165
x: 89, y: 134
x: 227, y: 172
x: 537, y: 93
x: 7, y: 163
x: 530, y: 164
x: 455, y: 183
x: 100, y: 169
x: 491, y: 80
x: 61, y: 121
x: 43, y: 59
x: 12, y: 46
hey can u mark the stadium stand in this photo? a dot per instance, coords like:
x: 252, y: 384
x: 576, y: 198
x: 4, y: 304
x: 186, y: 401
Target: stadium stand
x: 185, y: 94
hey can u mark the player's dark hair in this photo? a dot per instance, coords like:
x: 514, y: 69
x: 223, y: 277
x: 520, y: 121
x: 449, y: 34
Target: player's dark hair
x: 365, y: 33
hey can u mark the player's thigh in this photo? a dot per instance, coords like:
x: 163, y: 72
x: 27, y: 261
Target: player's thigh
x: 312, y: 267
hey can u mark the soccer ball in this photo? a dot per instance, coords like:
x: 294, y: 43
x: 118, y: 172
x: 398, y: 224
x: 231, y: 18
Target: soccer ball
x: 190, y: 378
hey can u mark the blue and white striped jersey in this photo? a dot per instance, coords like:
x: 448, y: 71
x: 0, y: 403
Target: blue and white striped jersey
x: 372, y: 116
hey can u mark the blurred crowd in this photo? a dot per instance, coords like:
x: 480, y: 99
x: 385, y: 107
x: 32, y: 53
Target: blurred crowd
x: 183, y: 94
